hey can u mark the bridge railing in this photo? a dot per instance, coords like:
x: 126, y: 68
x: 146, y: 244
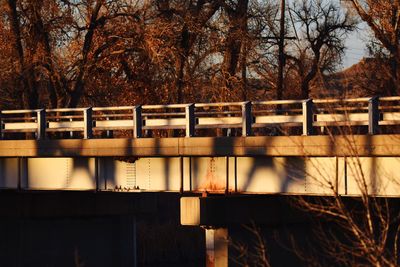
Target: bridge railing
x: 247, y: 117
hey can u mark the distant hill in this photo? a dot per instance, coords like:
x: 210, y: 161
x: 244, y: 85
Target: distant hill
x: 366, y: 78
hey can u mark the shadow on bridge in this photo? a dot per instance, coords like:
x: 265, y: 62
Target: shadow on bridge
x: 290, y: 170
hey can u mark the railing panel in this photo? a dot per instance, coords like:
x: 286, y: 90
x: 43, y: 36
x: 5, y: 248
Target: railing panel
x: 278, y: 119
x: 341, y: 117
x: 20, y: 126
x: 114, y: 124
x: 217, y: 121
x: 60, y: 125
x: 164, y: 122
x: 391, y: 117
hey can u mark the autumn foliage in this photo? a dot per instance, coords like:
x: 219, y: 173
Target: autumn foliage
x: 64, y: 53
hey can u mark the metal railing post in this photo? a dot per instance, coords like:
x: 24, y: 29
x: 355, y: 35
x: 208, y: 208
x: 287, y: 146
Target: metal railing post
x: 308, y: 117
x: 71, y: 133
x: 247, y: 119
x: 190, y: 120
x: 88, y: 123
x: 373, y: 115
x: 137, y: 121
x: 41, y: 124
x: 109, y: 133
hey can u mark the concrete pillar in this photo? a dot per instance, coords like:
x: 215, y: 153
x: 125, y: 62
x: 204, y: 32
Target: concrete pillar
x: 216, y: 247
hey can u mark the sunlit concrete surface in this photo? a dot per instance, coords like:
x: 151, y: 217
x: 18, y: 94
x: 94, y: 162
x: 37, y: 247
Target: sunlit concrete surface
x: 60, y: 173
x: 269, y: 165
x: 190, y: 210
x: 257, y: 174
x: 217, y: 241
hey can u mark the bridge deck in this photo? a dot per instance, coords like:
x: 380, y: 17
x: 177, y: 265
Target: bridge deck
x: 197, y: 158
x: 266, y: 165
x: 301, y: 146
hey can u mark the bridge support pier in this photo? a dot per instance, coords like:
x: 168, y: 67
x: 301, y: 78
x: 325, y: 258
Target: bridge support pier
x: 216, y: 247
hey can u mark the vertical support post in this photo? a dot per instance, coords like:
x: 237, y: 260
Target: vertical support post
x: 19, y: 174
x: 109, y: 133
x: 247, y: 119
x: 337, y: 175
x: 134, y: 242
x: 71, y: 133
x: 190, y: 120
x: 281, y: 65
x: 181, y: 173
x: 227, y: 176
x: 216, y: 247
x: 23, y: 173
x: 373, y: 115
x: 41, y: 124
x: 1, y: 126
x: 97, y: 174
x: 307, y: 117
x: 137, y: 121
x: 190, y: 174
x: 229, y: 130
x: 88, y: 123
x: 345, y: 175
x: 236, y: 178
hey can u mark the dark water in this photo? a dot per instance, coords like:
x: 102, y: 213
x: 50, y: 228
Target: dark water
x: 38, y: 230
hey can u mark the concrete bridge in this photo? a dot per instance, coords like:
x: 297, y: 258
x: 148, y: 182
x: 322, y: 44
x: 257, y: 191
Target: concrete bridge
x: 309, y: 147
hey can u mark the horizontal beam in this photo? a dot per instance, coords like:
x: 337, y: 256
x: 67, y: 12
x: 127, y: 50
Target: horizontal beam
x: 217, y: 211
x: 361, y: 145
x: 239, y: 209
x: 53, y: 204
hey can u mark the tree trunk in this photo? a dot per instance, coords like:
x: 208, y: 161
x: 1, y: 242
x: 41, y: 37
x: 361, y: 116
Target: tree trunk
x: 238, y: 22
x: 305, y: 83
x: 77, y: 91
x: 29, y: 97
x: 394, y: 68
x: 184, y: 52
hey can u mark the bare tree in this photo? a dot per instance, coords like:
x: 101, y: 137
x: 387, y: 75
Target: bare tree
x: 365, y: 223
x: 324, y: 28
x: 383, y: 18
x: 237, y: 14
